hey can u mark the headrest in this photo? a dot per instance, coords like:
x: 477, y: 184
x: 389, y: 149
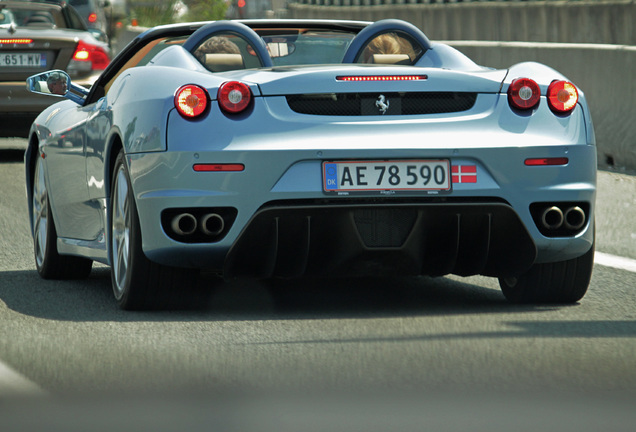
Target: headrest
x: 402, y: 59
x: 223, y: 62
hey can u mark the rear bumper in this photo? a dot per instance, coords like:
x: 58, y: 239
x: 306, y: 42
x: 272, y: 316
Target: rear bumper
x: 16, y: 124
x: 285, y: 225
x: 19, y: 107
x: 15, y: 98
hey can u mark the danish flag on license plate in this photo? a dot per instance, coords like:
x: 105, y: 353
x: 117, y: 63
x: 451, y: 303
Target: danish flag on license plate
x: 464, y: 173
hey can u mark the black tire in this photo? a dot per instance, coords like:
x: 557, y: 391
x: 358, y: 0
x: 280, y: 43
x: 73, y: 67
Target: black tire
x: 49, y: 263
x: 563, y: 282
x: 137, y: 282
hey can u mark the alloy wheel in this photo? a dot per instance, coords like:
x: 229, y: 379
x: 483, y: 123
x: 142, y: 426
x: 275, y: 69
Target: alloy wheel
x: 121, y: 225
x: 40, y: 213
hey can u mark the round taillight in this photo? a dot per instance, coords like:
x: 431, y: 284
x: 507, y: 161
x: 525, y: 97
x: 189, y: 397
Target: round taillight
x: 191, y: 101
x: 524, y: 93
x: 234, y: 97
x: 562, y: 96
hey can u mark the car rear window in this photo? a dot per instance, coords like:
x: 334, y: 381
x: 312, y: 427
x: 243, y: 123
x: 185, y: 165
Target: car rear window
x: 31, y: 15
x: 308, y: 47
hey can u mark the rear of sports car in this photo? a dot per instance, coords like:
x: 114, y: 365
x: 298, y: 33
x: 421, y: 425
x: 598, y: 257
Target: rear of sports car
x: 349, y: 169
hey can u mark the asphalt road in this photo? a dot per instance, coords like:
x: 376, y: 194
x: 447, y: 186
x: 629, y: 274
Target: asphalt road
x: 372, y: 354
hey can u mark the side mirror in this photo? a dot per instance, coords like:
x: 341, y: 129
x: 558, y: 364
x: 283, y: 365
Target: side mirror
x: 55, y: 82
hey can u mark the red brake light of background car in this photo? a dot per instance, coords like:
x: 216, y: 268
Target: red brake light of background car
x: 92, y: 17
x: 191, y: 101
x: 524, y: 93
x: 562, y: 96
x: 90, y: 53
x: 15, y: 41
x: 234, y: 97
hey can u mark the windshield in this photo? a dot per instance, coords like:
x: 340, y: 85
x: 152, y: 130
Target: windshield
x: 228, y: 51
x: 310, y: 47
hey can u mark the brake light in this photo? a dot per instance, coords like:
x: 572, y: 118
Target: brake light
x: 94, y: 54
x: 92, y: 17
x: 16, y: 41
x: 234, y: 97
x: 524, y: 94
x: 191, y: 101
x: 383, y: 78
x: 562, y: 96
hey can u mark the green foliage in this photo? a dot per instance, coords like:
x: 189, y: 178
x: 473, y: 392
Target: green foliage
x: 205, y: 10
x: 150, y: 13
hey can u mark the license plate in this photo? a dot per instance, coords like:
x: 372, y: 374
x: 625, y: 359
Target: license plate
x: 392, y: 175
x: 34, y: 60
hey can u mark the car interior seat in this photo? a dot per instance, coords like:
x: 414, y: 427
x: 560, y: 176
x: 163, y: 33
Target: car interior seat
x: 399, y: 59
x: 222, y: 62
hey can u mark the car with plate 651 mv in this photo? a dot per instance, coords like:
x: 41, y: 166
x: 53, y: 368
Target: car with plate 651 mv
x: 37, y: 36
x: 299, y: 148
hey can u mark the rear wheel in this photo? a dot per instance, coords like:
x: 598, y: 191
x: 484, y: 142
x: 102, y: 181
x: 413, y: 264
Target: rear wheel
x: 558, y: 283
x: 49, y: 263
x: 138, y: 283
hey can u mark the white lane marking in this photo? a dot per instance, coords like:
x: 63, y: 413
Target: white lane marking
x: 12, y: 383
x: 614, y: 261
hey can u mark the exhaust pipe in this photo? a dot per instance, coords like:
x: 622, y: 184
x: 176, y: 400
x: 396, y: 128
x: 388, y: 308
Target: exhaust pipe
x: 184, y: 224
x: 552, y: 218
x: 574, y: 218
x: 212, y: 224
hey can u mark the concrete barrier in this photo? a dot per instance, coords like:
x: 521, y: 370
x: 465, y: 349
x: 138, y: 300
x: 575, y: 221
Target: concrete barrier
x: 605, y: 73
x: 607, y: 22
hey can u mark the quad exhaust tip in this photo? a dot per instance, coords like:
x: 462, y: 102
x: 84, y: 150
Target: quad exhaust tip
x: 561, y: 219
x: 186, y: 224
x: 198, y: 224
x: 574, y: 218
x: 552, y: 218
x: 212, y: 224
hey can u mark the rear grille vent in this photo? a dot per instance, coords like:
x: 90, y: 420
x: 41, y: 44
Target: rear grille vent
x: 357, y: 104
x: 384, y: 227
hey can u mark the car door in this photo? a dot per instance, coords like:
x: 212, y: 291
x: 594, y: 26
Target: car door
x: 65, y: 154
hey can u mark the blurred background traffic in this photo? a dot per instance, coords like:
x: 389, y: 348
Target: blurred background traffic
x: 114, y: 15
